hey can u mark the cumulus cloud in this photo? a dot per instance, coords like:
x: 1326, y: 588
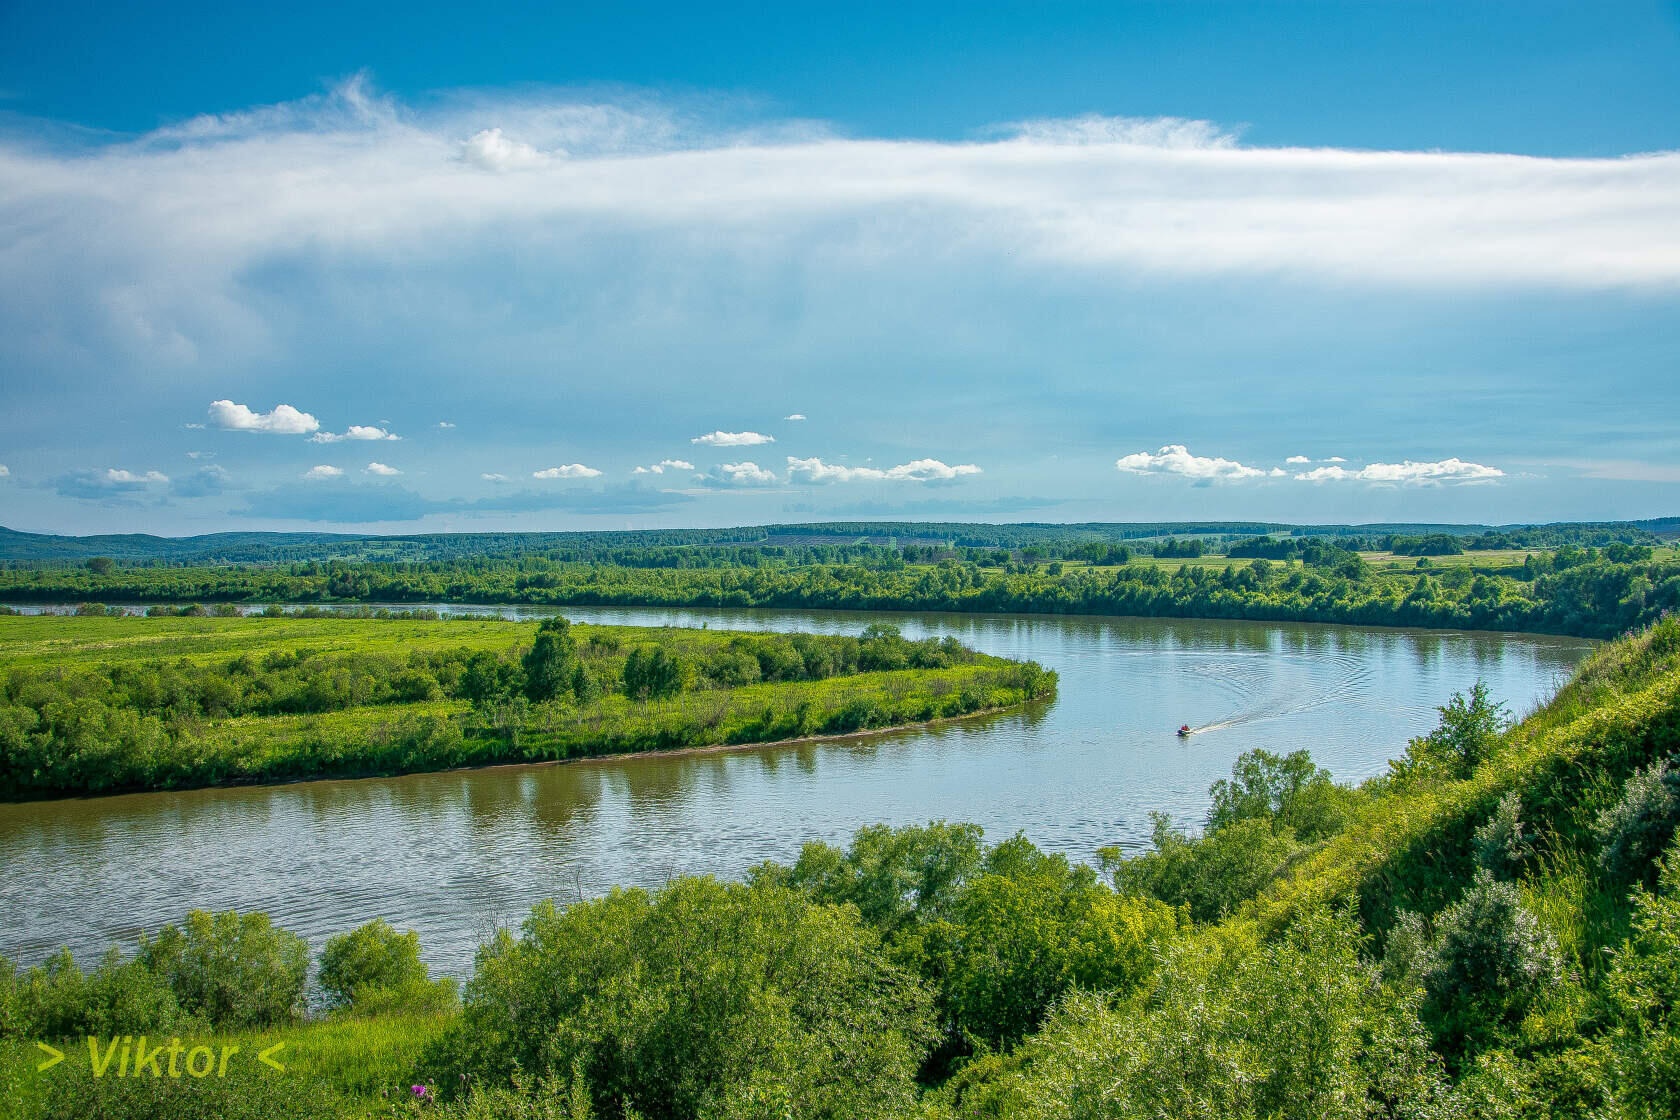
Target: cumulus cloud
x: 1298, y: 460
x: 1441, y: 471
x: 733, y: 439
x: 490, y: 150
x: 323, y: 471
x: 570, y: 470
x: 795, y: 416
x: 1335, y: 459
x: 354, y: 431
x: 919, y: 470
x: 283, y: 419
x: 108, y: 484
x: 381, y: 469
x: 742, y: 474
x: 664, y: 465
x: 1176, y: 459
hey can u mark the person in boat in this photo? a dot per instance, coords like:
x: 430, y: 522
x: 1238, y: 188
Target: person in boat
x: 1184, y: 731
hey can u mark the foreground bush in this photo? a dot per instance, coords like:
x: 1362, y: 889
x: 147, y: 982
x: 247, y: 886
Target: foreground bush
x: 705, y: 999
x: 233, y: 970
x: 375, y: 970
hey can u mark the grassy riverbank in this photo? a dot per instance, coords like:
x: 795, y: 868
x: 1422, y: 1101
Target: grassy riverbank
x: 1491, y: 929
x: 99, y: 704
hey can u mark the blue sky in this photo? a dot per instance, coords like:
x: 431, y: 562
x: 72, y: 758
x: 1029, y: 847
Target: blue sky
x: 1309, y: 262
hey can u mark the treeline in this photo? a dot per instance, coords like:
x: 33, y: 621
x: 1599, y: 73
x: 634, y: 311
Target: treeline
x: 291, y: 712
x: 1579, y: 591
x: 1489, y: 929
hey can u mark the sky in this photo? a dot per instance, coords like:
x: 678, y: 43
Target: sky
x: 414, y: 268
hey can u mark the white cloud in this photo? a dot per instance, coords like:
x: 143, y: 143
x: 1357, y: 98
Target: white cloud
x: 1452, y: 470
x: 732, y: 439
x: 1335, y: 459
x: 744, y: 474
x: 795, y: 416
x: 490, y: 150
x: 1176, y: 459
x: 381, y: 469
x: 129, y: 478
x: 5, y: 472
x: 201, y: 454
x: 445, y: 424
x: 492, y: 477
x: 355, y: 431
x: 664, y: 465
x: 570, y: 470
x: 283, y: 419
x: 1298, y: 460
x: 357, y: 175
x: 919, y: 470
x: 323, y: 471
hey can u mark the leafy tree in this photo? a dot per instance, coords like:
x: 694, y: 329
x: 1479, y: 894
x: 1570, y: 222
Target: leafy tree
x: 551, y: 661
x: 1211, y: 875
x: 1287, y: 790
x: 650, y: 673
x: 696, y: 1001
x: 1469, y: 730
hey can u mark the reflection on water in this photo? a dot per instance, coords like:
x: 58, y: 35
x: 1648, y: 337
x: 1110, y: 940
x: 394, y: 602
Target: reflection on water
x: 452, y: 855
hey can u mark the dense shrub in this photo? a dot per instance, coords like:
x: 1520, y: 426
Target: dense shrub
x: 233, y: 970
x: 1644, y: 989
x: 696, y: 1001
x: 1501, y: 844
x: 376, y: 970
x: 1287, y: 790
x: 1633, y: 831
x: 1210, y: 875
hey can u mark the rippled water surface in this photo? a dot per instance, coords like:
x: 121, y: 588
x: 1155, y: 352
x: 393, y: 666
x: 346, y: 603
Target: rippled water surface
x: 453, y: 854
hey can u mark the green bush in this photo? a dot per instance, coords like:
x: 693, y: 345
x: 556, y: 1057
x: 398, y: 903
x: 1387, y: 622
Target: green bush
x: 57, y: 999
x: 1644, y: 989
x: 1288, y: 790
x: 1501, y: 845
x: 696, y: 1001
x: 375, y: 970
x: 233, y: 970
x: 1211, y: 875
x: 1633, y: 831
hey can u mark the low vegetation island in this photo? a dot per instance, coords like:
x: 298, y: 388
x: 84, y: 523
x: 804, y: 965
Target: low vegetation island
x: 102, y: 704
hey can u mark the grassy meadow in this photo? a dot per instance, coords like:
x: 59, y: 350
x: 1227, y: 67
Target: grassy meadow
x: 92, y: 704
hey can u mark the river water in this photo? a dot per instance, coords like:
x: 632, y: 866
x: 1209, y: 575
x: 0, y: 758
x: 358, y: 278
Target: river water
x: 453, y: 855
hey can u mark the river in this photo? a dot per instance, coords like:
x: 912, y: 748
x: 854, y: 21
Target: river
x: 453, y: 855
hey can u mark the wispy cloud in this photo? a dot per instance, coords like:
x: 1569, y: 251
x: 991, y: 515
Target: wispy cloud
x: 322, y: 472
x: 353, y: 432
x: 445, y: 424
x: 206, y: 482
x: 490, y: 476
x: 283, y: 419
x: 1441, y: 471
x: 1175, y: 459
x: 570, y: 470
x: 733, y: 439
x: 794, y: 416
x: 919, y: 470
x: 664, y: 465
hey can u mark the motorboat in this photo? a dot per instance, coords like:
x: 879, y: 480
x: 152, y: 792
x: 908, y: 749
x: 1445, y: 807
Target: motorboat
x: 1184, y: 731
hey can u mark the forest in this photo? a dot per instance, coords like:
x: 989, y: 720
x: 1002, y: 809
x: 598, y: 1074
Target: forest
x: 1491, y: 928
x: 101, y: 704
x: 1595, y: 591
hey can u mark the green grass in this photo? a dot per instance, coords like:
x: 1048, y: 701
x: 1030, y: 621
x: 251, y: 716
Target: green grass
x: 76, y: 738
x: 359, y: 1064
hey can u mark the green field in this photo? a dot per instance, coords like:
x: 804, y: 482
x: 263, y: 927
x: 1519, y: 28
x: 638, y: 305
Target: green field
x: 92, y: 704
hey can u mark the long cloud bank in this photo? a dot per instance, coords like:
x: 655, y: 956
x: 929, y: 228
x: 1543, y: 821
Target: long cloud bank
x: 353, y: 173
